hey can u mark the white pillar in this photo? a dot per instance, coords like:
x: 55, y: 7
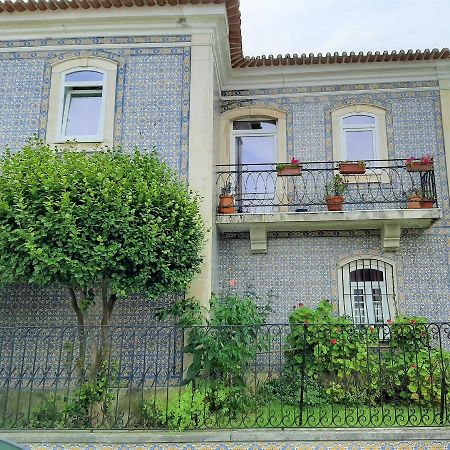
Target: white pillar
x: 201, y: 149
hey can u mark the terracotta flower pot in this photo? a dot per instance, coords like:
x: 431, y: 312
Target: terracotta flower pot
x: 334, y: 202
x: 414, y: 202
x: 417, y: 166
x: 426, y: 203
x: 351, y: 168
x: 226, y: 204
x: 289, y: 171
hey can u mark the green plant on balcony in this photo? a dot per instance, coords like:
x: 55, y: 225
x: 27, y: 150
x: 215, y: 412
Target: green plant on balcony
x: 226, y: 200
x: 418, y: 198
x: 334, y: 192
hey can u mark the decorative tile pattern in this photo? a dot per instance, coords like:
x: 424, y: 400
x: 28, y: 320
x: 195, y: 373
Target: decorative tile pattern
x: 20, y: 100
x: 152, y: 95
x: 306, y: 262
x: 367, y: 445
x: 152, y: 110
x: 333, y: 88
x: 306, y: 269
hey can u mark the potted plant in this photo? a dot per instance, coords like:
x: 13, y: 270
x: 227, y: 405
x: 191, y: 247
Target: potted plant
x: 289, y: 169
x: 419, y: 199
x: 423, y: 164
x: 226, y: 200
x: 352, y: 167
x: 335, y: 190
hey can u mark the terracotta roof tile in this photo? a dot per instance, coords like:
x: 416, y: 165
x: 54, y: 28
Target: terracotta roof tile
x: 235, y: 38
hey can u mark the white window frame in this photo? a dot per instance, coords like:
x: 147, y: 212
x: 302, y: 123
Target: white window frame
x: 338, y: 134
x: 66, y: 95
x: 105, y: 137
x: 346, y: 287
x: 252, y: 133
x: 358, y: 128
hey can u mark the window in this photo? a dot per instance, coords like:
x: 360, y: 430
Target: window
x: 254, y: 143
x: 83, y: 104
x: 82, y: 98
x: 359, y: 133
x: 367, y: 291
x: 359, y: 137
x: 253, y: 139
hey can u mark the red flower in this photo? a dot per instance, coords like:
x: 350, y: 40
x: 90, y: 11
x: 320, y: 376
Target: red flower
x: 294, y: 160
x: 410, y: 160
x: 413, y: 366
x: 426, y: 159
x: 333, y: 341
x: 413, y: 321
x: 422, y: 333
x: 233, y: 282
x: 300, y: 305
x: 389, y: 321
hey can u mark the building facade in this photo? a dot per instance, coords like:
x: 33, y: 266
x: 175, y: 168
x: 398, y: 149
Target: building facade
x: 171, y: 76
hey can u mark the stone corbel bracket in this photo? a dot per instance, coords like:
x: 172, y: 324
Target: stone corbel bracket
x: 258, y: 239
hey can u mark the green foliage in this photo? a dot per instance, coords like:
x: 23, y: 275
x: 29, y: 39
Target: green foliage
x: 355, y: 365
x: 81, y: 220
x: 90, y: 403
x: 336, y: 187
x: 48, y: 414
x: 188, y: 409
x: 224, y: 348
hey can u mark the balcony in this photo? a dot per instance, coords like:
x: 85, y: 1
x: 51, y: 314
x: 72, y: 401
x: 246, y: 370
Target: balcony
x: 379, y: 197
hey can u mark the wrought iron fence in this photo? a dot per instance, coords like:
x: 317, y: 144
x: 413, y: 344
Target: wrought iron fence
x: 298, y: 375
x: 258, y: 188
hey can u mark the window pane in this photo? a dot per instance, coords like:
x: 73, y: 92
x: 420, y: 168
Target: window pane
x: 255, y: 149
x: 359, y: 120
x: 264, y: 125
x: 362, y: 275
x: 84, y: 75
x: 377, y: 305
x: 359, y: 145
x: 83, y: 117
x: 359, y: 306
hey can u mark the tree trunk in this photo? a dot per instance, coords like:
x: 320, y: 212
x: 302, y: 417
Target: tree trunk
x: 82, y: 341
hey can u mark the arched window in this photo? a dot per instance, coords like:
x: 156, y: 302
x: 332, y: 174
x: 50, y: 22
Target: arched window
x: 253, y: 140
x: 82, y: 101
x: 359, y: 137
x: 359, y: 133
x: 82, y: 105
x: 367, y: 291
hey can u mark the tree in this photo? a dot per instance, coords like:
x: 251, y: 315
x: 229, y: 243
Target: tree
x: 104, y: 225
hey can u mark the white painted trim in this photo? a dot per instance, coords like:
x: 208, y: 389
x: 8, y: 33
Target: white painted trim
x: 333, y: 93
x: 380, y: 135
x: 343, y: 278
x: 57, y: 110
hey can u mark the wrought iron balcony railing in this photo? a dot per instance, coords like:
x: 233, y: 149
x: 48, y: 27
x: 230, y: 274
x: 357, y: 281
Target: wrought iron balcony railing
x: 380, y: 184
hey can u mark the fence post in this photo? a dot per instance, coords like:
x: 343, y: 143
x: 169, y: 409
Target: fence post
x: 302, y: 379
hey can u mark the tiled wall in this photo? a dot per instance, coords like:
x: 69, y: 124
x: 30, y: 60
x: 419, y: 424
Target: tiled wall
x: 151, y: 111
x: 152, y: 94
x: 302, y: 267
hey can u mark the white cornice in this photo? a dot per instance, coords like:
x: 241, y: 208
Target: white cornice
x: 332, y: 74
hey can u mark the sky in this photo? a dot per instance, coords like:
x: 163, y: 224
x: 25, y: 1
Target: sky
x: 313, y: 26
